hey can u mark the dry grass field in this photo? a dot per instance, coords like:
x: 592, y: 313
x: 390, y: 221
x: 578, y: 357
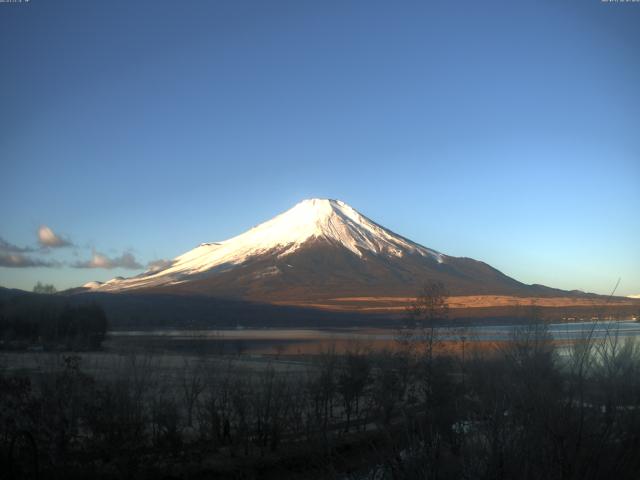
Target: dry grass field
x: 465, y: 305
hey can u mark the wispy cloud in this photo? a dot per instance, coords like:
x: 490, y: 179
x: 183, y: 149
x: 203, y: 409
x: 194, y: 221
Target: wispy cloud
x: 158, y: 265
x: 99, y: 260
x: 13, y: 256
x: 19, y: 260
x: 48, y: 238
x: 10, y: 247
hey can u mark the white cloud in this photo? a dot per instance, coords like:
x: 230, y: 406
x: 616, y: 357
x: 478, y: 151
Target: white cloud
x: 99, y: 260
x: 48, y: 238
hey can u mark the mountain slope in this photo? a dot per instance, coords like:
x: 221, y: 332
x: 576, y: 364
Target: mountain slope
x: 318, y: 249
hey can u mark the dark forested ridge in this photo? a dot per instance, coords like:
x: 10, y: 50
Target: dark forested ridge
x: 32, y: 320
x: 175, y: 311
x: 156, y: 310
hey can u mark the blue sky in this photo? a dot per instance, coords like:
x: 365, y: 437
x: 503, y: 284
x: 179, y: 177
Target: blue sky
x: 503, y: 131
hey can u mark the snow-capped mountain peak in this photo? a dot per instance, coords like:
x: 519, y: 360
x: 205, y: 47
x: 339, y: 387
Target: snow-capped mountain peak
x: 329, y: 219
x: 313, y: 219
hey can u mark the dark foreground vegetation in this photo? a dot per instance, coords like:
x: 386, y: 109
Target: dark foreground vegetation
x: 520, y: 411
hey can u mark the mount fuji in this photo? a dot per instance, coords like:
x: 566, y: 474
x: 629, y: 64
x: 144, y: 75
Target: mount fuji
x: 318, y: 250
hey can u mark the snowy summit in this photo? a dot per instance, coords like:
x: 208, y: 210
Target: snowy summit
x: 314, y: 219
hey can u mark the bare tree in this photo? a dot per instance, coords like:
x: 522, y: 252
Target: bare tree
x: 192, y: 387
x: 429, y: 310
x: 353, y: 378
x: 44, y: 288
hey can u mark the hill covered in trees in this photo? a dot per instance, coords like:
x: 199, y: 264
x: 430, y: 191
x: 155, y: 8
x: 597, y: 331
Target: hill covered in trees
x: 47, y: 321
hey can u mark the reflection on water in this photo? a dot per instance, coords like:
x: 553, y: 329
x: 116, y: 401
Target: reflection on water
x: 559, y: 331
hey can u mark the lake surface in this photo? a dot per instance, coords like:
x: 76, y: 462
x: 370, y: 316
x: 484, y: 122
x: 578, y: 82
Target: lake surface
x: 306, y: 340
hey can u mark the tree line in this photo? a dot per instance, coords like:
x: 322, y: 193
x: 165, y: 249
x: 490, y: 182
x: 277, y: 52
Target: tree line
x: 49, y: 322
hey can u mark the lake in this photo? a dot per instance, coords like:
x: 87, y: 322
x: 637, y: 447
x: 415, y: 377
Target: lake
x: 306, y: 340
